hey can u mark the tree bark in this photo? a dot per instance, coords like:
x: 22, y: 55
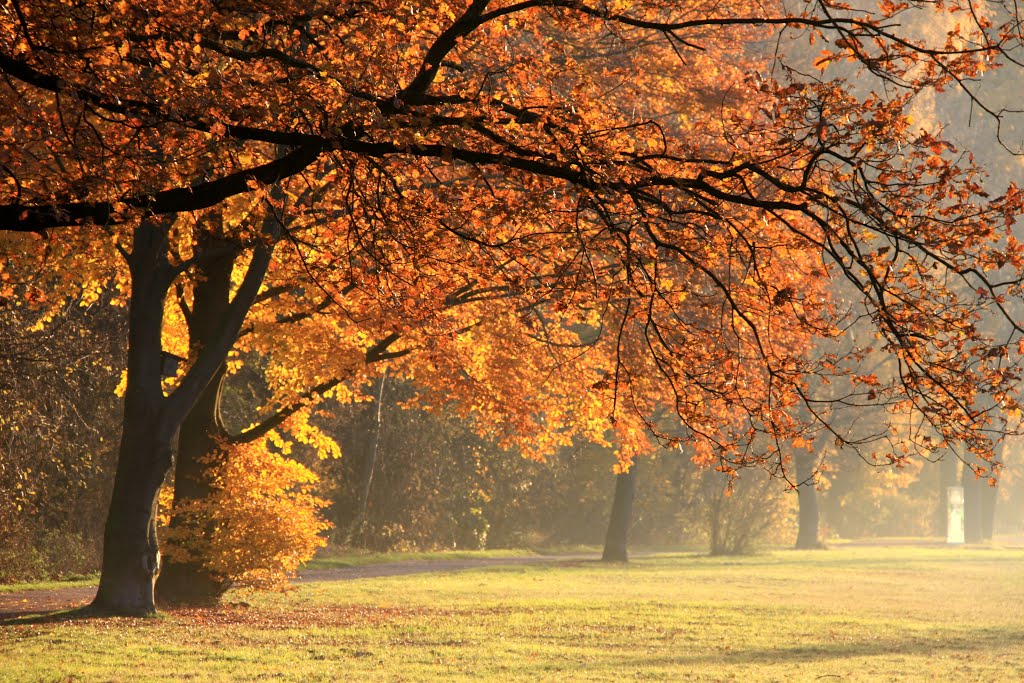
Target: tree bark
x: 190, y: 582
x: 615, y: 543
x: 807, y: 502
x: 131, y: 557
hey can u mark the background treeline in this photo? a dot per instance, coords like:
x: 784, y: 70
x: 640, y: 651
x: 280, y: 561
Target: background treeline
x: 59, y: 437
x: 409, y: 478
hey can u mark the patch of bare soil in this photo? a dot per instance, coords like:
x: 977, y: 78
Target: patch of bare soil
x: 43, y: 601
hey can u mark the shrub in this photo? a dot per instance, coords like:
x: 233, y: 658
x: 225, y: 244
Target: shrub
x: 734, y: 516
x: 260, y: 522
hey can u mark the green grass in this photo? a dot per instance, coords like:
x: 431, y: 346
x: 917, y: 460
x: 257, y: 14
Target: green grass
x: 84, y: 580
x: 331, y: 559
x: 848, y: 614
x: 328, y: 559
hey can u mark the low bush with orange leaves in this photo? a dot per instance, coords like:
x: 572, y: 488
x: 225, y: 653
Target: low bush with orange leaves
x: 260, y: 523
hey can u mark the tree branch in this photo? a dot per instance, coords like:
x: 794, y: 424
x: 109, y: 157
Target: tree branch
x: 19, y: 218
x: 278, y: 418
x: 212, y: 356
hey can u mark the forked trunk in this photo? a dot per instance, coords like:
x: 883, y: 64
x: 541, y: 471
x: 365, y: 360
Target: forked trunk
x: 615, y: 543
x: 131, y: 557
x: 190, y: 582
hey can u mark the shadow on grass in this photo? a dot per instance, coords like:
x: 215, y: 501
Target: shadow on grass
x: 83, y: 613
x: 409, y: 567
x: 47, y: 617
x: 832, y: 558
x: 958, y: 645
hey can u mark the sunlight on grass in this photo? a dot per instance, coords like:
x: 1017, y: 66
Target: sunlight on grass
x: 855, y: 614
x: 87, y: 580
x: 329, y: 559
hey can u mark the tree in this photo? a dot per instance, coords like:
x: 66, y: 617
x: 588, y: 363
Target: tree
x: 656, y: 211
x: 615, y: 542
x: 187, y: 578
x: 979, y: 504
x: 254, y: 526
x: 131, y: 553
x: 59, y: 363
x: 809, y: 515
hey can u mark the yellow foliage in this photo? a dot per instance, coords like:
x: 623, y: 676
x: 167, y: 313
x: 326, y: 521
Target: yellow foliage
x: 259, y: 523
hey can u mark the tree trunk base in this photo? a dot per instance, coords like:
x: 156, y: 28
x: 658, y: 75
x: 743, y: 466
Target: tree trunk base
x: 615, y: 556
x: 188, y: 585
x: 124, y: 595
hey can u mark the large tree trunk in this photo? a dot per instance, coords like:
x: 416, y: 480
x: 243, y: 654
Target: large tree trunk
x: 151, y: 419
x: 131, y: 557
x: 191, y: 582
x: 615, y: 543
x: 807, y: 501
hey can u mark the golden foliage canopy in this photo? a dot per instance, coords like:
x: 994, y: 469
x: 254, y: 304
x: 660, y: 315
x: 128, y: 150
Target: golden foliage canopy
x: 562, y: 215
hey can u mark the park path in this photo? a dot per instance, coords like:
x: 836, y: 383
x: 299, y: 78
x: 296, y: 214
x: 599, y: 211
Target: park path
x: 44, y: 600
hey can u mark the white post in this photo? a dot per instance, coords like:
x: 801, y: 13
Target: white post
x: 955, y: 514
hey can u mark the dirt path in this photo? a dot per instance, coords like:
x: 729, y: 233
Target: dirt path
x: 41, y: 601
x: 405, y: 567
x: 44, y: 600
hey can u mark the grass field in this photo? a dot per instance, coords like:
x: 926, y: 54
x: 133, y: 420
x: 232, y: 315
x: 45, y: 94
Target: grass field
x: 846, y: 614
x: 346, y: 558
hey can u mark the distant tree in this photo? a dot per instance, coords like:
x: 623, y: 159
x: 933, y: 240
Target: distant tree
x: 59, y: 365
x: 980, y: 494
x: 616, y: 542
x: 809, y: 514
